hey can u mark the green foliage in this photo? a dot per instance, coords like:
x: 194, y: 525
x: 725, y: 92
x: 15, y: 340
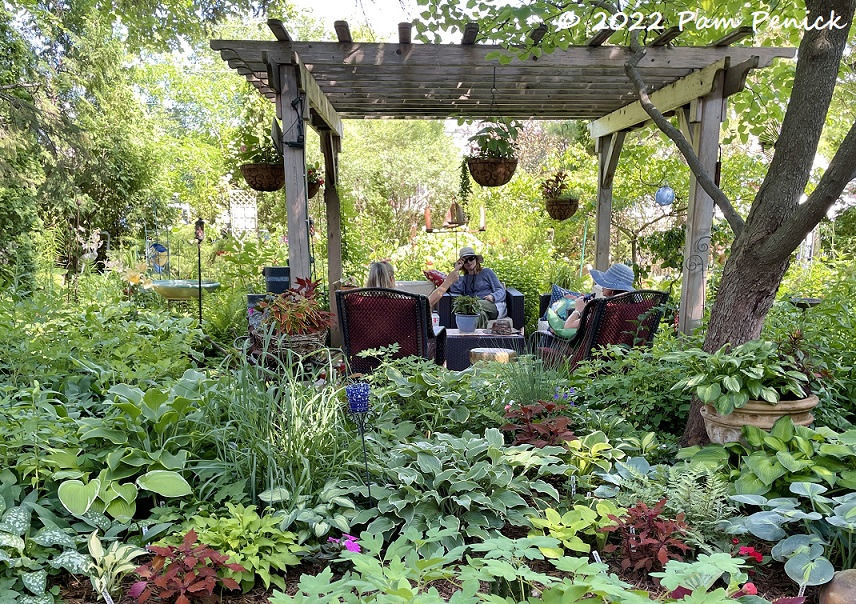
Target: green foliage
x: 495, y: 139
x: 620, y: 378
x: 466, y: 305
x: 731, y: 376
x: 274, y: 429
x: 698, y: 491
x: 109, y: 566
x: 469, y: 483
x: 577, y: 530
x: 256, y: 543
x: 415, y: 393
x: 91, y: 347
x: 525, y: 382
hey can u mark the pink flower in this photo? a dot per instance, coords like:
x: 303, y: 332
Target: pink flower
x: 749, y: 589
x: 352, y: 546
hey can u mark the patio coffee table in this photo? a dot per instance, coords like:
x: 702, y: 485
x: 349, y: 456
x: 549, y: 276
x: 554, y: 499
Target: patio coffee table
x: 459, y: 345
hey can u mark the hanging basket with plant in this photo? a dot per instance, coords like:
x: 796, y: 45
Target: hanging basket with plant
x: 263, y: 168
x: 493, y: 152
x: 559, y: 201
x: 313, y: 181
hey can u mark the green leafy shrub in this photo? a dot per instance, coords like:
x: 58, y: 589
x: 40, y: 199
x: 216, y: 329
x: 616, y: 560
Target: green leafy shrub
x: 254, y: 543
x: 577, y: 529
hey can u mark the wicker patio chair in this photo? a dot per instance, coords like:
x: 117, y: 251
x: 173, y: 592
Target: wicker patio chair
x: 629, y: 319
x: 374, y: 317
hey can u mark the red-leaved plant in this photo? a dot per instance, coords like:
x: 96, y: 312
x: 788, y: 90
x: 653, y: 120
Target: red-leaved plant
x: 647, y: 541
x: 179, y: 574
x: 538, y: 424
x: 296, y: 311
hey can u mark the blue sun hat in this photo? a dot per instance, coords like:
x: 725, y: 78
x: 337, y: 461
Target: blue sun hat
x: 618, y: 276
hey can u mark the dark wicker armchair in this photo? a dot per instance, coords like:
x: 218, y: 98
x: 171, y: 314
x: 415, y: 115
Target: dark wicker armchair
x: 629, y: 319
x: 374, y: 317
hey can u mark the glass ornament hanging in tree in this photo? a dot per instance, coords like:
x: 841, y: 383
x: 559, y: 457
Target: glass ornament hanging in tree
x: 665, y: 195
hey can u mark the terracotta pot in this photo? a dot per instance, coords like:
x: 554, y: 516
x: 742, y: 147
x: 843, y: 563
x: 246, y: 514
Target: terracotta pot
x: 264, y: 177
x: 727, y: 428
x: 314, y: 187
x: 491, y: 171
x: 560, y: 209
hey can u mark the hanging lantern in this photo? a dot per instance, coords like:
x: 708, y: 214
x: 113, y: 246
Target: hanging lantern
x: 665, y: 195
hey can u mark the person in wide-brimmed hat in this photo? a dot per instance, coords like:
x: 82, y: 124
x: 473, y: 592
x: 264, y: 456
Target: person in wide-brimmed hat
x: 475, y: 280
x: 617, y: 279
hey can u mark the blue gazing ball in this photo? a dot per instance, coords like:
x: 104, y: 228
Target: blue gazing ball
x: 665, y: 196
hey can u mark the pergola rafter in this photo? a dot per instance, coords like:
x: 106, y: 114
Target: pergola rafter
x: 320, y: 83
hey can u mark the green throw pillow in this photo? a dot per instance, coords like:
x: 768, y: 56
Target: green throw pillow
x: 557, y: 324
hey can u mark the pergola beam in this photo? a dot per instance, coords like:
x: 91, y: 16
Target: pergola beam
x: 405, y: 31
x: 671, y: 97
x: 318, y: 102
x: 343, y: 32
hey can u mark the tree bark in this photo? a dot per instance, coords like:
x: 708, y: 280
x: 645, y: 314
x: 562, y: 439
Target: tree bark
x: 755, y: 269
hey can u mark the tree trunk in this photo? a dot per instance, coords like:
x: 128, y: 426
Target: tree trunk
x: 776, y: 223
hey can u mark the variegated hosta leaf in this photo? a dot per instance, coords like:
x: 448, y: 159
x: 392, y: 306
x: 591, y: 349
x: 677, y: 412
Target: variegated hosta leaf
x: 36, y: 581
x: 53, y: 536
x: 13, y: 541
x: 16, y: 521
x: 72, y: 561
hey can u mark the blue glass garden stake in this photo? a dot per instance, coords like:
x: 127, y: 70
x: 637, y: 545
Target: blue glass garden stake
x: 358, y: 405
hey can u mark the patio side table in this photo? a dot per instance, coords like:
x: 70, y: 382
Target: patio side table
x: 459, y: 345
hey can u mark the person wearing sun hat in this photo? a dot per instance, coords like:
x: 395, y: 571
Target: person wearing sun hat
x: 617, y: 279
x: 481, y: 282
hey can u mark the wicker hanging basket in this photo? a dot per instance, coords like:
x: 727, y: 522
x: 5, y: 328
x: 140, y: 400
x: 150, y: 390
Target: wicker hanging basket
x: 491, y: 171
x: 281, y: 343
x: 264, y: 177
x: 313, y: 189
x: 562, y: 208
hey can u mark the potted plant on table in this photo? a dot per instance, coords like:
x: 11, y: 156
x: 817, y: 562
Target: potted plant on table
x: 750, y: 384
x: 560, y: 202
x: 493, y: 152
x: 294, y: 320
x: 467, y: 312
x: 314, y: 180
x: 262, y: 168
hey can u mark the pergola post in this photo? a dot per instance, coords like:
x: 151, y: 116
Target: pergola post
x: 608, y: 149
x: 294, y: 109
x: 331, y: 144
x: 700, y: 123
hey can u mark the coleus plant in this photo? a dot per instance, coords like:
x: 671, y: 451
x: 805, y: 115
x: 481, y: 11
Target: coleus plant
x: 540, y: 424
x: 181, y: 573
x: 297, y: 311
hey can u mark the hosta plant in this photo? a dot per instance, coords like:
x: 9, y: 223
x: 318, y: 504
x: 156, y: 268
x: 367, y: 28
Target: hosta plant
x: 254, y: 544
x: 471, y: 482
x: 577, y: 529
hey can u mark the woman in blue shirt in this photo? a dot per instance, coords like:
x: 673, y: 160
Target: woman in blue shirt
x: 475, y: 280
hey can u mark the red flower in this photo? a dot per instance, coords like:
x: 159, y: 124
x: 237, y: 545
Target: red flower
x: 751, y: 552
x: 749, y: 589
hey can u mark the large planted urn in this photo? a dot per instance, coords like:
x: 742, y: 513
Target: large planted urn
x: 264, y: 177
x: 761, y: 414
x: 492, y: 171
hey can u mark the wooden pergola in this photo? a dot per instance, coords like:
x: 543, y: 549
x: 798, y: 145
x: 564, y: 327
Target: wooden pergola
x: 318, y: 84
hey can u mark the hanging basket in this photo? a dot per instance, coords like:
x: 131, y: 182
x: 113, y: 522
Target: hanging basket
x: 313, y: 189
x: 562, y: 208
x: 264, y: 177
x: 491, y: 171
